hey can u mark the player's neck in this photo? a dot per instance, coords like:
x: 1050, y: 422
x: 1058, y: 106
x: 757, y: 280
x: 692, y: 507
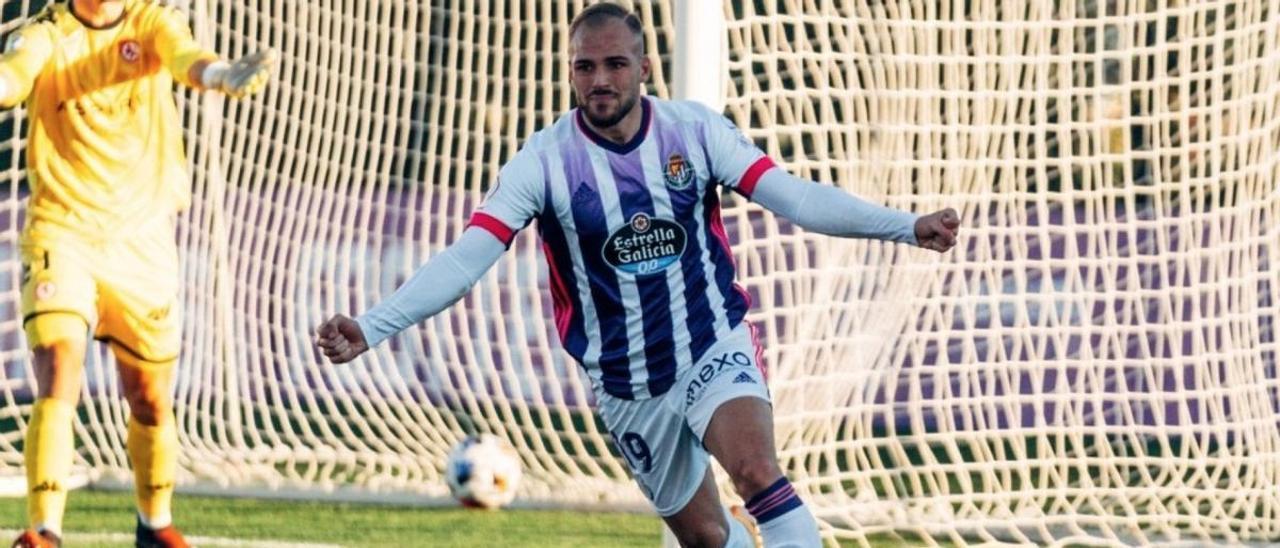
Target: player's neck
x: 625, y: 130
x: 97, y: 13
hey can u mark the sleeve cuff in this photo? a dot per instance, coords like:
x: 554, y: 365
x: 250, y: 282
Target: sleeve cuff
x: 371, y: 337
x: 183, y: 61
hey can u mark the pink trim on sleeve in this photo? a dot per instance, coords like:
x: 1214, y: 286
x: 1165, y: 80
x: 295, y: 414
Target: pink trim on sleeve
x: 753, y: 174
x: 490, y: 223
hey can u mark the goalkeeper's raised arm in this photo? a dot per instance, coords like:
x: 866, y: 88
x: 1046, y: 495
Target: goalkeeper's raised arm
x: 197, y: 67
x: 238, y: 78
x: 28, y: 49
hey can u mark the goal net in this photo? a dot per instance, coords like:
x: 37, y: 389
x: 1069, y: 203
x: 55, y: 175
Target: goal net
x: 1095, y: 363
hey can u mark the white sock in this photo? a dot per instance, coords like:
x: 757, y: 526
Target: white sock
x: 794, y: 529
x: 157, y: 522
x: 739, y: 536
x: 783, y: 519
x: 57, y: 530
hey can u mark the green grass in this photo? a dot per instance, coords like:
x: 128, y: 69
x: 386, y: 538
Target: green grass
x: 99, y: 513
x: 354, y: 524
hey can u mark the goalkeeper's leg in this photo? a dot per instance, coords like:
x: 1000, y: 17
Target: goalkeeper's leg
x: 58, y: 342
x: 152, y: 443
x: 142, y: 320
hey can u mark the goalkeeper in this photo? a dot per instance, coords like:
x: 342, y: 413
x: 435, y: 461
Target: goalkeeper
x: 108, y: 175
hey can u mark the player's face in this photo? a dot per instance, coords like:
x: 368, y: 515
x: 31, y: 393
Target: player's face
x: 608, y: 68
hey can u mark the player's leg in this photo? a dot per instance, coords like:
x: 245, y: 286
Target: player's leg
x: 741, y: 438
x: 57, y: 297
x: 141, y: 319
x: 152, y: 441
x: 728, y: 406
x: 152, y: 444
x: 669, y: 465
x: 58, y: 345
x: 704, y: 521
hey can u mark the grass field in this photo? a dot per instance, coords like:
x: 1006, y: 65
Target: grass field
x: 102, y: 518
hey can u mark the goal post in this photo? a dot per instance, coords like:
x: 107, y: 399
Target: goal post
x: 1095, y: 363
x: 698, y: 62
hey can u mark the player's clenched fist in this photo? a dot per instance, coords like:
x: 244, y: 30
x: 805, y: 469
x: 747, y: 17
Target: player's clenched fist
x: 938, y: 230
x: 340, y: 339
x: 244, y: 76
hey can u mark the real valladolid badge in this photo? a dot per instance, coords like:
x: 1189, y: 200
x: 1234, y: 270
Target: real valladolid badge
x: 678, y: 173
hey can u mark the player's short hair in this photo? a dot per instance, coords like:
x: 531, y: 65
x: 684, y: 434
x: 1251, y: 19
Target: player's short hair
x: 600, y: 13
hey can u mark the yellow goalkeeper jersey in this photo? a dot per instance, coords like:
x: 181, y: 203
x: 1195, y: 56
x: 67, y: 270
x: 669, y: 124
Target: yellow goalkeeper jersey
x: 105, y: 149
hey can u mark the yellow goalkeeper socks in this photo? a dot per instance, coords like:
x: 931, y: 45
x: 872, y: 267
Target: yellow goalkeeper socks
x: 47, y: 451
x: 154, y: 453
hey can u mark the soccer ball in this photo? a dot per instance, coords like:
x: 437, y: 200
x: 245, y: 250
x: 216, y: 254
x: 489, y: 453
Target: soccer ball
x: 483, y: 472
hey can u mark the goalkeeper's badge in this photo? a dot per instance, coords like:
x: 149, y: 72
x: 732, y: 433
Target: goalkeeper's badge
x: 678, y: 173
x: 130, y: 50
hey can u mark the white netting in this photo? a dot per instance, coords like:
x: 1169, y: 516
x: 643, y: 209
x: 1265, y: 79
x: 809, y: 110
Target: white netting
x: 1094, y: 363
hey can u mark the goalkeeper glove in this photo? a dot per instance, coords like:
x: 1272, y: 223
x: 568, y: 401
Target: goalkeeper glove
x: 244, y: 76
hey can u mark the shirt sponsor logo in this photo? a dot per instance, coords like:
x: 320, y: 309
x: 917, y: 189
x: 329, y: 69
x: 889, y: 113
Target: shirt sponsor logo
x: 84, y: 107
x: 130, y: 51
x: 646, y: 245
x: 678, y: 173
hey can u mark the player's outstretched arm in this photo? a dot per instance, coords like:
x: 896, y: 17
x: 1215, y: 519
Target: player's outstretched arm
x: 244, y: 76
x: 829, y: 210
x: 435, y: 286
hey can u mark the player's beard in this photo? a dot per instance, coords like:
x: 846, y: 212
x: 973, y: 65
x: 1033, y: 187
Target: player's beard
x: 625, y: 104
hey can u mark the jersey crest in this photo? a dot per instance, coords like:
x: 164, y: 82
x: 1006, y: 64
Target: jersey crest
x: 678, y: 173
x: 130, y: 51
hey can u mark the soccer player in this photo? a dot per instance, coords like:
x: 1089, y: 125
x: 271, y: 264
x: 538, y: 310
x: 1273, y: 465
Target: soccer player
x: 108, y: 176
x: 624, y: 191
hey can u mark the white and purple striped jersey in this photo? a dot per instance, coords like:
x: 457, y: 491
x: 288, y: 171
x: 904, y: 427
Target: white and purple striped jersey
x: 642, y: 277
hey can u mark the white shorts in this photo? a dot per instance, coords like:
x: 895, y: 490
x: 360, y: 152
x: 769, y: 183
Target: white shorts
x: 661, y: 438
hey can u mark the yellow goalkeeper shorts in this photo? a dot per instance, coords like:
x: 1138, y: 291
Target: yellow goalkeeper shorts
x: 126, y: 290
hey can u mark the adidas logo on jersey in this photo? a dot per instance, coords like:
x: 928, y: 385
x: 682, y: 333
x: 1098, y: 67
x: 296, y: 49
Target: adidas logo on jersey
x: 743, y: 377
